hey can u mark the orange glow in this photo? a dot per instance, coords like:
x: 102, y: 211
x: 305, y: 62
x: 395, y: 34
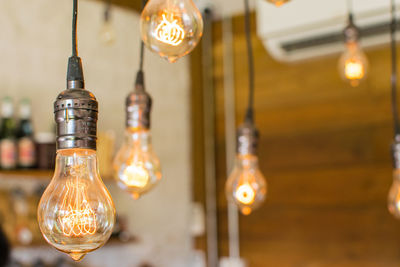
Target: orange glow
x: 354, y: 70
x: 78, y: 218
x: 169, y: 31
x: 245, y: 194
x: 278, y: 3
x: 135, y: 175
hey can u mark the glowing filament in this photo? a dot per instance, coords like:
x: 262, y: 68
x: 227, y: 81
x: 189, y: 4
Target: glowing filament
x: 245, y: 194
x: 77, y: 218
x: 135, y: 175
x: 169, y: 31
x: 354, y: 70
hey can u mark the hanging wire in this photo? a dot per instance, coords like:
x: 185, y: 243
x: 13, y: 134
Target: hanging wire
x: 249, y: 113
x: 350, y: 6
x: 395, y: 109
x: 144, y: 2
x: 74, y: 23
x: 107, y: 11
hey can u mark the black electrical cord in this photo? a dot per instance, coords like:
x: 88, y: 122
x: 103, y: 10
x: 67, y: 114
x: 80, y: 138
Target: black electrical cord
x: 74, y: 26
x: 395, y: 110
x: 75, y: 71
x: 107, y: 11
x: 140, y: 74
x: 144, y: 2
x: 249, y: 113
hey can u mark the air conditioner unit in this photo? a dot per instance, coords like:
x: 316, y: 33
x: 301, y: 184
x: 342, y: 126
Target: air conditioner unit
x: 303, y: 29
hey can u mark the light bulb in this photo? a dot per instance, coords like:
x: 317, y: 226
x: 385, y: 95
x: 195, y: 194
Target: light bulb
x: 76, y: 214
x: 171, y: 28
x: 278, y: 3
x: 394, y: 195
x: 353, y: 64
x: 107, y: 33
x: 136, y: 165
x: 246, y: 185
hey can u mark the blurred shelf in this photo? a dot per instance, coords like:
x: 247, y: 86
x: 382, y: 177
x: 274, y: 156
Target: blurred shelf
x: 27, y: 174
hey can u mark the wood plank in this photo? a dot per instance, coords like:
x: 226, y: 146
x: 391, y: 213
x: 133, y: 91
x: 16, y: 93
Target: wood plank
x: 134, y: 5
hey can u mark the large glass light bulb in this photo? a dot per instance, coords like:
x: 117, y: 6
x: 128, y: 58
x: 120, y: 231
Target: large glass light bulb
x: 394, y: 195
x: 353, y: 64
x: 76, y: 214
x: 171, y: 28
x: 246, y: 186
x: 136, y: 165
x: 278, y: 3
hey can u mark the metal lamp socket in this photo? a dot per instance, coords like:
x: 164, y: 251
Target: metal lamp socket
x: 351, y: 32
x: 76, y: 112
x: 396, y: 153
x: 247, y: 139
x: 138, y: 108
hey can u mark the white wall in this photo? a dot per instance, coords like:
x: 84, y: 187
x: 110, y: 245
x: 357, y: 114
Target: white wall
x: 34, y: 50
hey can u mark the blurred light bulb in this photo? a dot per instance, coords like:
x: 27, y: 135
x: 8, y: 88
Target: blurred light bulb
x: 278, y: 3
x: 76, y: 214
x: 394, y: 195
x: 107, y: 33
x: 171, y: 28
x: 246, y: 185
x: 353, y: 64
x: 136, y: 165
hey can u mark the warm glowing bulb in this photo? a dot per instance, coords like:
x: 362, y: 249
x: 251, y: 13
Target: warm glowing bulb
x: 76, y: 214
x: 170, y: 31
x: 394, y: 195
x: 245, y: 194
x: 246, y: 185
x: 171, y: 28
x: 353, y: 64
x: 137, y: 167
x: 107, y: 33
x: 135, y: 175
x: 278, y: 3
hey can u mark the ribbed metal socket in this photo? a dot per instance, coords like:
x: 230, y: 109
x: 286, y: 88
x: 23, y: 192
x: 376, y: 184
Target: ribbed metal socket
x: 351, y: 32
x: 396, y: 153
x: 76, y: 112
x: 247, y: 139
x: 138, y: 108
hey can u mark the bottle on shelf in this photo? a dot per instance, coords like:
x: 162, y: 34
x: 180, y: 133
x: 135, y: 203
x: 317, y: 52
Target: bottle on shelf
x: 26, y: 144
x: 8, y: 145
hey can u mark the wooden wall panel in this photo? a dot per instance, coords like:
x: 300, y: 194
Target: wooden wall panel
x: 325, y: 151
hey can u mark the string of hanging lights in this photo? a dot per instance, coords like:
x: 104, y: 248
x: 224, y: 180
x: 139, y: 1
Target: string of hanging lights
x: 76, y: 214
x: 136, y: 165
x: 246, y: 186
x: 353, y: 64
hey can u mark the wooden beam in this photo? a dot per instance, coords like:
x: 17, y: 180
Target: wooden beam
x: 135, y: 5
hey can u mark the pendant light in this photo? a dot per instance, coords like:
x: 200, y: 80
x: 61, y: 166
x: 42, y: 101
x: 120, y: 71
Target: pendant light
x: 107, y: 31
x: 76, y: 214
x: 246, y: 186
x: 171, y: 28
x: 394, y: 193
x: 136, y: 166
x: 353, y: 64
x: 278, y: 3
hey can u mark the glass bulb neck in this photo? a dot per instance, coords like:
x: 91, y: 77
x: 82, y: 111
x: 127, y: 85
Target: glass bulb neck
x: 247, y: 161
